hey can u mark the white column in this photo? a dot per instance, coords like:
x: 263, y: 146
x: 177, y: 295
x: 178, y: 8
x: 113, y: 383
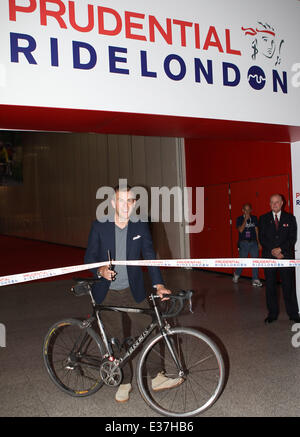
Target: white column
x: 295, y: 156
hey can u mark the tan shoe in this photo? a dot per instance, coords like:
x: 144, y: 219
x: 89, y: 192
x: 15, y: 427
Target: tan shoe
x: 122, y: 394
x: 161, y: 382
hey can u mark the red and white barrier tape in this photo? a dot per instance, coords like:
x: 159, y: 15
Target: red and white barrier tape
x: 201, y: 263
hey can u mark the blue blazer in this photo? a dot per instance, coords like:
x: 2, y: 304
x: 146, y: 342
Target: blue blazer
x: 139, y: 243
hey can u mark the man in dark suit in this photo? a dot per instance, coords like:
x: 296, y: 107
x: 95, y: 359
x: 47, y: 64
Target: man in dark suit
x: 278, y: 235
x: 124, y: 286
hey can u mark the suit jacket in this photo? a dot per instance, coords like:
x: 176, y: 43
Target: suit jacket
x: 285, y: 237
x: 139, y: 242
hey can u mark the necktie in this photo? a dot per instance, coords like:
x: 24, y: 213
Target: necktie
x: 276, y: 222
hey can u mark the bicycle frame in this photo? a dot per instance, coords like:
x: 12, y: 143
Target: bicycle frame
x: 144, y: 335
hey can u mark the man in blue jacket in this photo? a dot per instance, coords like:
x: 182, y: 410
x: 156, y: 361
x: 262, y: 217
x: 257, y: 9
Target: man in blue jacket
x: 124, y: 286
x: 248, y: 242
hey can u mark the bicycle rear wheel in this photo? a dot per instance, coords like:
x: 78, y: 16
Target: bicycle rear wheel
x: 204, y: 372
x: 72, y: 356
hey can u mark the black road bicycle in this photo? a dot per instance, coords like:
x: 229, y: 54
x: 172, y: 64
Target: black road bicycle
x: 79, y: 360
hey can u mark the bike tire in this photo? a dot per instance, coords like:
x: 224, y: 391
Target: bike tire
x: 204, y: 376
x: 76, y: 373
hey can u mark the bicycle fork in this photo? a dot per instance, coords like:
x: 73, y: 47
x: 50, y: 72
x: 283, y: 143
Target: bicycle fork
x: 181, y: 371
x: 163, y: 330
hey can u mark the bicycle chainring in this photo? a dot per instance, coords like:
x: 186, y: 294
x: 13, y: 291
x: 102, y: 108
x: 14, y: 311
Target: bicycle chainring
x: 110, y: 373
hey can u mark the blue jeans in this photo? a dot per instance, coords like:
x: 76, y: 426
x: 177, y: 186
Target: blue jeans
x: 247, y: 247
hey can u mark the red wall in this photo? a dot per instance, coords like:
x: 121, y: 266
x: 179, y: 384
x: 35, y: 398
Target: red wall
x: 233, y: 173
x: 215, y: 162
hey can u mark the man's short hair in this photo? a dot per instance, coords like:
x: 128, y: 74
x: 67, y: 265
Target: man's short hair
x: 247, y: 204
x: 122, y: 187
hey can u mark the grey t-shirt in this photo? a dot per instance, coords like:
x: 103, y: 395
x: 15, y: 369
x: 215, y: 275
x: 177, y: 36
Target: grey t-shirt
x: 121, y: 281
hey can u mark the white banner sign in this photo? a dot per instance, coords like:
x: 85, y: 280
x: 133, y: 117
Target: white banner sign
x: 295, y: 156
x: 231, y: 60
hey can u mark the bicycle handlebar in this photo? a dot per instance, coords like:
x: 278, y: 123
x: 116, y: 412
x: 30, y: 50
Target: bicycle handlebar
x: 180, y: 298
x: 82, y: 287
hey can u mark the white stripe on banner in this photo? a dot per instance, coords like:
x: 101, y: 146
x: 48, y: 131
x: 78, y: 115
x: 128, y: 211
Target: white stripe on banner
x: 202, y: 263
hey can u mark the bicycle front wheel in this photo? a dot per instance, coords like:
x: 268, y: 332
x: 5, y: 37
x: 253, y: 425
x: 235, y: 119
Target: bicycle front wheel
x: 72, y: 356
x: 203, y: 373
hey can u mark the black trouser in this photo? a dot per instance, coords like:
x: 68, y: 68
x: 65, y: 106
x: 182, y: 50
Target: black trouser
x: 124, y: 325
x: 287, y: 276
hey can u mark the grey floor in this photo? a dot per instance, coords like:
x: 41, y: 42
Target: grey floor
x: 264, y: 367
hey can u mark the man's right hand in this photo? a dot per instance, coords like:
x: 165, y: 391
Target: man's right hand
x: 106, y: 273
x: 277, y: 253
